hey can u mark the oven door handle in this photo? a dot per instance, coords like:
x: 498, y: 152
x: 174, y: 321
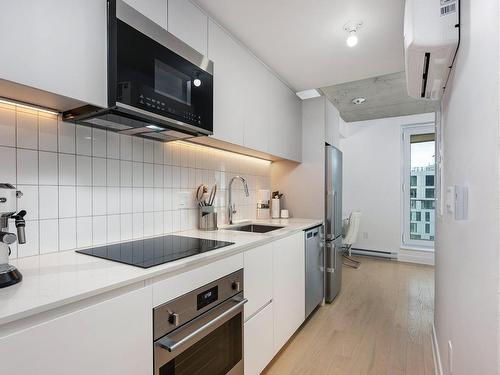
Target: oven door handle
x: 171, y: 345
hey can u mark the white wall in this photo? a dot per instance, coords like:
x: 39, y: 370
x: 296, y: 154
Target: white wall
x: 372, y: 178
x: 85, y: 187
x: 467, y: 259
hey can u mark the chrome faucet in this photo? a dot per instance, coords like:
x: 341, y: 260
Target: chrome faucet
x: 231, y: 205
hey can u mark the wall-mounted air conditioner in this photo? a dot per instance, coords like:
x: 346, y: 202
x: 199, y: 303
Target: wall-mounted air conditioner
x: 431, y: 36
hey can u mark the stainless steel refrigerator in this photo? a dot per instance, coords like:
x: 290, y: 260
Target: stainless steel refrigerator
x: 333, y: 222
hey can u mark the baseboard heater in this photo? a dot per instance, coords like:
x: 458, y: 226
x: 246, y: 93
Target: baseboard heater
x: 374, y: 253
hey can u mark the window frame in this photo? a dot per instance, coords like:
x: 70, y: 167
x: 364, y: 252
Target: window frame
x: 406, y: 132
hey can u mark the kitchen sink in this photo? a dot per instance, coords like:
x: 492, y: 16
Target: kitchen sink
x: 255, y: 228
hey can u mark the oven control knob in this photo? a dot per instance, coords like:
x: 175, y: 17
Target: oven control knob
x: 236, y: 286
x: 173, y: 318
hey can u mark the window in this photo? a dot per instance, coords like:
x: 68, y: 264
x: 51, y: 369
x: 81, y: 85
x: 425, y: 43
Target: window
x: 429, y: 180
x: 418, y: 173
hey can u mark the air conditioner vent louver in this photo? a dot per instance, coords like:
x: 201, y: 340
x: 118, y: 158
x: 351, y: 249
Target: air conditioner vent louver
x: 431, y: 41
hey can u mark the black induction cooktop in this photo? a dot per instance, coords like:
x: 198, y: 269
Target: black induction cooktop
x: 151, y: 252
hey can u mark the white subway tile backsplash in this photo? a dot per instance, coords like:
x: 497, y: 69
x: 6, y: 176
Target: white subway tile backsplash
x: 116, y: 187
x: 113, y: 172
x: 48, y: 202
x: 83, y: 201
x: 7, y: 125
x: 99, y: 172
x: 125, y: 147
x: 83, y: 140
x: 47, y: 167
x: 125, y: 173
x: 99, y: 198
x: 137, y: 200
x: 113, y: 227
x: 8, y: 170
x: 29, y: 201
x: 67, y: 169
x: 99, y: 230
x: 99, y: 143
x: 137, y: 149
x: 137, y: 174
x: 84, y: 231
x: 27, y: 129
x: 66, y: 137
x: 112, y: 145
x: 148, y: 151
x: 67, y: 201
x: 148, y: 175
x: 126, y: 227
x: 125, y: 200
x: 27, y: 166
x: 49, y: 236
x: 67, y: 233
x: 47, y: 132
x: 138, y: 225
x: 113, y: 200
x: 148, y: 224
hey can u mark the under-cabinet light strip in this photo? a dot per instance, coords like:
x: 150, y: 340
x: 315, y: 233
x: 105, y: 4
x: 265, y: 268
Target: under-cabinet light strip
x: 28, y: 106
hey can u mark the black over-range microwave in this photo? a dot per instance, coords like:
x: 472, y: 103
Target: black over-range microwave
x: 158, y: 86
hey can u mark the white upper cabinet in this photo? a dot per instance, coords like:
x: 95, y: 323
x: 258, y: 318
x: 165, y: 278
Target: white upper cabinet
x: 156, y: 10
x: 188, y: 23
x: 228, y: 57
x: 55, y: 47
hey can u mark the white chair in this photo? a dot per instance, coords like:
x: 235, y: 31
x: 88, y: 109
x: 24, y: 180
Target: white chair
x: 351, y: 229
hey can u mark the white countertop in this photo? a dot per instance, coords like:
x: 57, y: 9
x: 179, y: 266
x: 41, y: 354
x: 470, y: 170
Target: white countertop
x: 56, y: 279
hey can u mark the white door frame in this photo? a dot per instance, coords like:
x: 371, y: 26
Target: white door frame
x: 406, y: 132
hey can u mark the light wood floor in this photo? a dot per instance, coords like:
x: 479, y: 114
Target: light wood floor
x: 380, y: 323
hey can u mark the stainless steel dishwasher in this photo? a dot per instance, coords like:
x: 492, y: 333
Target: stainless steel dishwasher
x: 315, y: 261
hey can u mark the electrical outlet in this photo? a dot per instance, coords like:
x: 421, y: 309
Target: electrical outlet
x: 365, y: 235
x: 450, y: 356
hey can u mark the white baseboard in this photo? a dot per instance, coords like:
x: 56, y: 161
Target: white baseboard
x: 416, y: 256
x: 438, y: 368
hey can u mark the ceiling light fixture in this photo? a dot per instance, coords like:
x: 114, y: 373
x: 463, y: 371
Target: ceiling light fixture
x: 359, y: 100
x: 351, y: 28
x: 155, y: 127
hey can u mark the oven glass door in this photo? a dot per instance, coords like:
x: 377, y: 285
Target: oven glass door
x: 151, y: 77
x: 215, y: 354
x: 211, y: 344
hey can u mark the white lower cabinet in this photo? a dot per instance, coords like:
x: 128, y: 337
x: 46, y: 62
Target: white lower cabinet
x: 259, y: 341
x: 113, y: 337
x: 288, y: 287
x: 258, y: 278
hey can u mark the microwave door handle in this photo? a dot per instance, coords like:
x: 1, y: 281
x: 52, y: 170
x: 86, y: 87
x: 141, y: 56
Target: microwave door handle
x: 172, y: 345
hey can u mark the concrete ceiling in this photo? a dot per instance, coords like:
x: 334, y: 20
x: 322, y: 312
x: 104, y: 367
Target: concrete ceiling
x: 385, y: 96
x: 304, y: 41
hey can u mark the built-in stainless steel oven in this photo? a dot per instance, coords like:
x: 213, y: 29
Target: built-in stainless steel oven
x: 201, y: 332
x: 158, y: 86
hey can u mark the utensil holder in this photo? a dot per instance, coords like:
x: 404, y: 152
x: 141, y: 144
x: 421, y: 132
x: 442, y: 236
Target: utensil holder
x: 207, y: 218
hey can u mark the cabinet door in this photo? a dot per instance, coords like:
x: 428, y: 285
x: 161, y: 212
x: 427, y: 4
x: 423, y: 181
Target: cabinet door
x: 259, y: 347
x: 229, y: 90
x: 258, y: 278
x: 156, y: 10
x: 113, y: 338
x: 56, y: 47
x: 188, y: 23
x: 288, y: 287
